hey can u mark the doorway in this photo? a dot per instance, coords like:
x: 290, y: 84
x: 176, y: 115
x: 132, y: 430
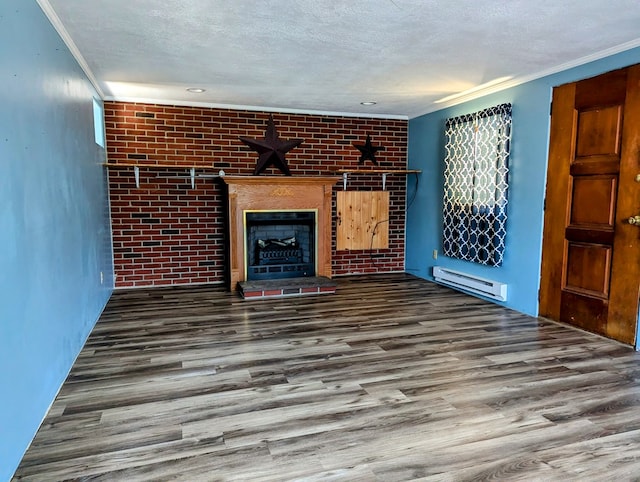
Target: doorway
x: 590, y: 273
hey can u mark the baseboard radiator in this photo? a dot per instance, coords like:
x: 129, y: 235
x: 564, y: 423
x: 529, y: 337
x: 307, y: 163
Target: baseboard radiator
x: 471, y: 283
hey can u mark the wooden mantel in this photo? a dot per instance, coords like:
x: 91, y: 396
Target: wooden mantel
x: 267, y: 193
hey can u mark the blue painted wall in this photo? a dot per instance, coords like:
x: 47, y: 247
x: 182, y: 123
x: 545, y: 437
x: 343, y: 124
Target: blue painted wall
x: 54, y: 222
x: 527, y: 182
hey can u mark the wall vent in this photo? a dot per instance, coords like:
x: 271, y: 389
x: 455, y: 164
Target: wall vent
x: 473, y: 284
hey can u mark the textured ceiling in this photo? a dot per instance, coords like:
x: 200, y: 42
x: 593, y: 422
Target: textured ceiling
x: 330, y: 55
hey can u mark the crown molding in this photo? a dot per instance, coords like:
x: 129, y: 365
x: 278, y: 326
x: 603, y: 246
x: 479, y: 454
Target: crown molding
x: 538, y: 75
x: 253, y: 108
x: 68, y: 41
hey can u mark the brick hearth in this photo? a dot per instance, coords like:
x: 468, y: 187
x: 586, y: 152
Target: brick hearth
x: 255, y: 290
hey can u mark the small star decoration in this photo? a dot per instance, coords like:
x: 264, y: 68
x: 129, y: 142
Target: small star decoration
x: 368, y: 151
x: 271, y: 149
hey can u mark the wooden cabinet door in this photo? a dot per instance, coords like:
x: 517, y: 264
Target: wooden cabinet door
x: 590, y: 273
x: 363, y: 220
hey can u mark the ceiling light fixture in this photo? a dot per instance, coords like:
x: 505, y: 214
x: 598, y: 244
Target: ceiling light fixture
x: 369, y: 102
x: 486, y: 85
x: 195, y: 90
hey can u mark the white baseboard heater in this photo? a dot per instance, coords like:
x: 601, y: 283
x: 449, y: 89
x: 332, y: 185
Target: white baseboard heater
x: 471, y: 283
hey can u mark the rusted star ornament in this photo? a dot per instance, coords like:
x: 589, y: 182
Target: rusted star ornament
x: 368, y: 151
x: 271, y: 149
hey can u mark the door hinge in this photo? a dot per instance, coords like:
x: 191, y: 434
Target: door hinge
x: 551, y: 108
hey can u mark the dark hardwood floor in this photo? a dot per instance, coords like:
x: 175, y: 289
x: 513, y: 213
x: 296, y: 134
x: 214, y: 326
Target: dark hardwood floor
x: 391, y: 378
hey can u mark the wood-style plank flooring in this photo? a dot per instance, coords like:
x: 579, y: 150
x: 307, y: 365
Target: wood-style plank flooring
x: 392, y: 378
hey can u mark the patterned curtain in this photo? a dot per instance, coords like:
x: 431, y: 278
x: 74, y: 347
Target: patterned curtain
x: 475, y: 185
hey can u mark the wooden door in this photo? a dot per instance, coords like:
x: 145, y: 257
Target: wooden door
x: 363, y: 220
x: 590, y: 274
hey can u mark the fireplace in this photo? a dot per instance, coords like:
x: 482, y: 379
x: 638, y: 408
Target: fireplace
x: 280, y: 244
x: 298, y: 207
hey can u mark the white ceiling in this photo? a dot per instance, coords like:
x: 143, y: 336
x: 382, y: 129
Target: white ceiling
x: 331, y: 55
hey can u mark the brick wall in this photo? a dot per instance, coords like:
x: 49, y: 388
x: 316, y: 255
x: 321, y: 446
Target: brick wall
x: 165, y: 232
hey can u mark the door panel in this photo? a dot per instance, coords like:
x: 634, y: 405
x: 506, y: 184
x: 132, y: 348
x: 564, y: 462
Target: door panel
x: 591, y: 260
x: 593, y: 200
x: 599, y: 132
x: 588, y: 267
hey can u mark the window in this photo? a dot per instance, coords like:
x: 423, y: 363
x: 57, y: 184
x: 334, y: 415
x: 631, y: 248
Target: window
x: 98, y: 122
x: 475, y: 185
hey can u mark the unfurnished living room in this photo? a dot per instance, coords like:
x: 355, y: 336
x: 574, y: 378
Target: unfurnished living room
x: 319, y: 240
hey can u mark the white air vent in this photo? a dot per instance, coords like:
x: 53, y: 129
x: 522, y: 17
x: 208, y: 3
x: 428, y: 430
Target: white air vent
x: 471, y: 283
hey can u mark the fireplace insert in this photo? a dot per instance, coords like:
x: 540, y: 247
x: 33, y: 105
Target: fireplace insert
x: 280, y: 244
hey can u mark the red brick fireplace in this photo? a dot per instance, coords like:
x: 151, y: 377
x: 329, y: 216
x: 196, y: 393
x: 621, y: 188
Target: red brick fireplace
x: 250, y: 194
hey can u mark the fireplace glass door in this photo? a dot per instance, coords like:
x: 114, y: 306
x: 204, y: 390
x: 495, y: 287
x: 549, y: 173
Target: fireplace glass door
x: 280, y: 244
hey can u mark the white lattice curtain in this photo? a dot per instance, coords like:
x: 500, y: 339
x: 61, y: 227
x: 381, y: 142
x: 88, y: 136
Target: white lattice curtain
x: 475, y: 185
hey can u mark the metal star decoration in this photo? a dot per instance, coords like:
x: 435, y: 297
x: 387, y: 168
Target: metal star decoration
x: 271, y: 149
x: 368, y: 151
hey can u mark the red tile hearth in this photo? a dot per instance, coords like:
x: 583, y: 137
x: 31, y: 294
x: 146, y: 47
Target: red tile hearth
x: 257, y: 290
